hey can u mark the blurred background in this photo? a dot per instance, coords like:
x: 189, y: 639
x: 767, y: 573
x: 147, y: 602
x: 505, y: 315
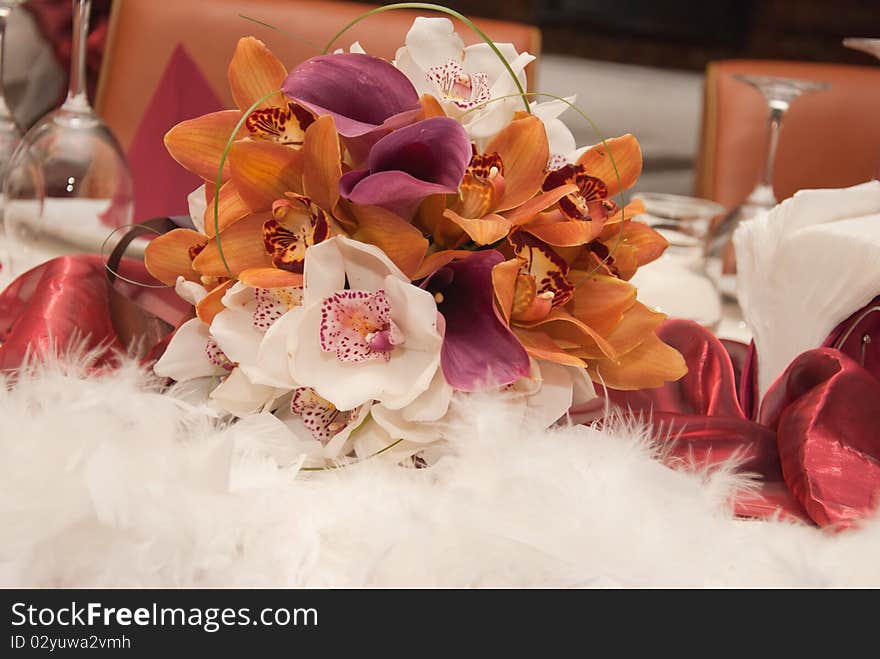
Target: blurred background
x: 636, y: 65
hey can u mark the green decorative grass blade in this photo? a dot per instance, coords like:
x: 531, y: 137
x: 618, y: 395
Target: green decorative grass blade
x: 219, y: 180
x: 287, y: 33
x: 350, y: 464
x: 443, y: 10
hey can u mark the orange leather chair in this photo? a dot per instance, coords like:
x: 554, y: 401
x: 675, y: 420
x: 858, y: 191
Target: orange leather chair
x: 829, y: 139
x: 143, y: 34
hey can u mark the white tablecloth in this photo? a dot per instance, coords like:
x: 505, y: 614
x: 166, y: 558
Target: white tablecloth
x: 69, y: 226
x: 679, y: 290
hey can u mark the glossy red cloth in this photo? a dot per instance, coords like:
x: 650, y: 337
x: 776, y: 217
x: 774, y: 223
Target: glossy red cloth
x: 50, y: 305
x: 69, y: 302
x: 815, y: 443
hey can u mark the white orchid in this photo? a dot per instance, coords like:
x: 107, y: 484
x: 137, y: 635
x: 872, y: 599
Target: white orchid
x: 418, y: 422
x: 310, y: 416
x: 559, y: 136
x: 463, y: 79
x: 228, y: 347
x: 197, y: 205
x: 193, y: 354
x: 377, y: 340
x: 354, y: 48
x: 546, y: 396
x: 241, y: 327
x: 550, y: 391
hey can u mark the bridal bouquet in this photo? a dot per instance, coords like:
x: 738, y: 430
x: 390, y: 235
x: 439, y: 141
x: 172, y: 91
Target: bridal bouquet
x: 376, y: 237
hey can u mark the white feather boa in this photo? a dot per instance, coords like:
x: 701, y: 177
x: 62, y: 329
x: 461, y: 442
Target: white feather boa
x: 107, y: 482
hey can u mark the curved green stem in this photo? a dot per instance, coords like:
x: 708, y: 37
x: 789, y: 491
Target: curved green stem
x: 443, y: 10
x: 288, y: 33
x: 219, y: 181
x: 349, y: 464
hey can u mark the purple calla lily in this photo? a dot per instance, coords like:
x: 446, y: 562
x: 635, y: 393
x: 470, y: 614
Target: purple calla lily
x: 361, y: 92
x: 479, y: 351
x: 424, y: 158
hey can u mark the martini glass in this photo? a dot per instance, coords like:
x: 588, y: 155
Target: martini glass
x: 67, y: 185
x: 779, y: 93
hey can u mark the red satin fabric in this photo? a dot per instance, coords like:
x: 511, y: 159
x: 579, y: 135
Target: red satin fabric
x: 701, y: 410
x: 850, y: 335
x: 46, y: 308
x: 815, y: 444
x: 50, y: 308
x: 829, y: 436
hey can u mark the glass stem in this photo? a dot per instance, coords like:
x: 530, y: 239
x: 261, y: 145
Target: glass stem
x: 77, y: 97
x: 763, y: 195
x: 5, y: 114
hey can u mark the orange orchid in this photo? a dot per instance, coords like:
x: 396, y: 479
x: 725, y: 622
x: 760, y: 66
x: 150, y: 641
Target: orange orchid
x: 499, y: 191
x: 266, y: 152
x: 282, y: 170
x: 601, y: 326
x: 274, y: 238
x: 613, y: 242
x: 586, y: 210
x: 564, y: 292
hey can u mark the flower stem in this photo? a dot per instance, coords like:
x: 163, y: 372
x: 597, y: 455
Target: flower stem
x: 348, y: 464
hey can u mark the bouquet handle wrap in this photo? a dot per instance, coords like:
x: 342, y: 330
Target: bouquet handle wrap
x: 137, y: 319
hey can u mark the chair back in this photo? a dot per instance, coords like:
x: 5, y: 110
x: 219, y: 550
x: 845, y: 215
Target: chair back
x: 143, y: 35
x: 829, y: 139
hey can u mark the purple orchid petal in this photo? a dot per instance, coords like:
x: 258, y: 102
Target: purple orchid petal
x: 424, y: 158
x: 349, y: 181
x: 360, y: 92
x: 479, y: 351
x: 436, y: 150
x: 395, y: 190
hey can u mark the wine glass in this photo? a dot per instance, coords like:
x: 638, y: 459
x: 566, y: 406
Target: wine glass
x: 67, y: 185
x: 10, y: 135
x: 676, y: 283
x: 870, y: 46
x: 779, y: 93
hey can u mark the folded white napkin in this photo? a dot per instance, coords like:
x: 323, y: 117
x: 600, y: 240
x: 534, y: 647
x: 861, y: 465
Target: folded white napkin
x: 805, y: 266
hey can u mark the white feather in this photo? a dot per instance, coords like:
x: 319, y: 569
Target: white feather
x: 106, y: 482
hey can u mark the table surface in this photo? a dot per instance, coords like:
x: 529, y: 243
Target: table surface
x: 68, y: 226
x: 732, y: 325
